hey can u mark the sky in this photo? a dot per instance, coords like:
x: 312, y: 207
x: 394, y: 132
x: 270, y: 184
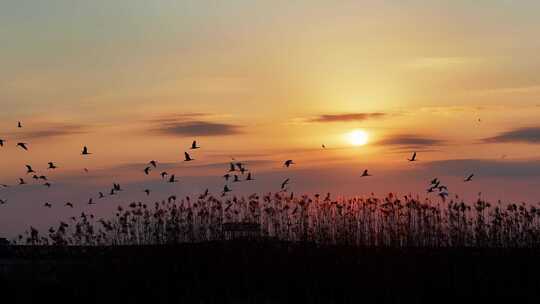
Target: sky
x: 263, y: 82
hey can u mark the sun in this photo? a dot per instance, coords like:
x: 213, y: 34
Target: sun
x: 358, y: 137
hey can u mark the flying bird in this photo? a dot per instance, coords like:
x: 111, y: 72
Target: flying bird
x: 227, y: 176
x: 226, y: 189
x: 48, y: 185
x: 249, y: 178
x: 101, y: 195
x: 288, y: 163
x: 323, y: 146
x: 48, y: 205
x: 194, y: 145
x: 469, y: 178
x: 19, y: 124
x: 52, y: 166
x: 147, y: 191
x: 172, y: 179
x: 85, y: 170
x: 365, y: 173
x: 163, y: 174
x: 187, y: 157
x: 2, y: 202
x: 285, y: 183
x: 413, y: 158
x: 236, y: 179
x: 29, y: 169
x: 232, y: 168
x: 90, y: 201
x: 21, y: 181
x: 23, y: 146
x: 43, y: 177
x: 153, y: 163
x: 2, y: 141
x: 68, y: 204
x: 85, y: 151
x: 147, y: 170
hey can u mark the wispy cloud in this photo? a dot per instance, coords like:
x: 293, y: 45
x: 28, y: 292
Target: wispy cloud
x: 347, y: 117
x: 411, y: 141
x: 197, y: 128
x: 45, y: 131
x: 485, y: 167
x: 523, y: 135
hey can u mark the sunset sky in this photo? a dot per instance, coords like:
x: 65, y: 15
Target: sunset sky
x: 263, y: 82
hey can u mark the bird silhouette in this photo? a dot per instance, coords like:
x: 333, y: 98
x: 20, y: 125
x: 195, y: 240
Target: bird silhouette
x: 236, y: 179
x: 285, y: 183
x: 117, y: 187
x: 21, y: 181
x: 23, y: 146
x: 163, y: 174
x: 153, y: 163
x: 171, y: 198
x: 413, y: 158
x: 85, y: 151
x: 469, y: 178
x: 323, y: 146
x: 19, y: 124
x: 2, y: 141
x: 365, y: 173
x: 43, y: 177
x: 85, y: 170
x: 52, y: 166
x: 172, y: 179
x: 187, y: 157
x: 147, y: 170
x: 29, y: 169
x: 90, y: 201
x: 101, y: 195
x: 147, y: 191
x: 227, y: 176
x: 68, y: 204
x: 288, y: 163
x: 232, y: 168
x: 4, y: 185
x: 194, y: 145
x: 48, y: 185
x: 48, y: 205
x: 3, y: 201
x: 226, y: 189
x: 249, y: 178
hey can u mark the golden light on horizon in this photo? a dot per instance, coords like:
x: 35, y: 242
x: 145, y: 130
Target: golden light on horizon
x: 358, y: 137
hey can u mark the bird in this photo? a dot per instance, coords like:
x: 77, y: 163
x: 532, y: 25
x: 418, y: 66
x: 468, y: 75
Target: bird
x: 112, y: 192
x: 153, y: 163
x: 117, y: 187
x: 249, y: 178
x: 469, y: 178
x: 163, y: 174
x: 85, y: 170
x: 48, y: 185
x: 2, y: 201
x: 285, y: 183
x: 226, y: 189
x: 68, y: 204
x: 23, y: 146
x: 43, y: 177
x: 85, y: 151
x: 413, y: 158
x: 2, y: 141
x: 187, y: 157
x: 29, y: 169
x: 236, y: 179
x: 48, y: 205
x: 52, y: 166
x: 232, y: 168
x: 227, y: 176
x: 194, y: 145
x: 365, y: 173
x: 21, y: 181
x: 441, y: 188
x: 147, y: 191
x: 101, y: 195
x: 435, y: 181
x: 147, y: 170
x: 323, y: 146
x: 4, y: 185
x: 90, y: 201
x: 172, y: 179
x: 288, y: 163
x: 19, y: 124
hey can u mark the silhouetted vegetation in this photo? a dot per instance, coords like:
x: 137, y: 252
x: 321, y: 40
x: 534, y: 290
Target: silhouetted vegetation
x: 395, y: 222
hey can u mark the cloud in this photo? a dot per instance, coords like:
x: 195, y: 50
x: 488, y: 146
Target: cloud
x: 52, y: 130
x: 485, y: 168
x: 197, y: 128
x: 347, y: 117
x: 522, y: 135
x: 411, y: 141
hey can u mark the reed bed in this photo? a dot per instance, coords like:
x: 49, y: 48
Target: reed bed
x: 389, y: 222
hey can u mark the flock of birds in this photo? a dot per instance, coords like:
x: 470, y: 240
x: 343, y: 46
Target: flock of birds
x: 237, y: 172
